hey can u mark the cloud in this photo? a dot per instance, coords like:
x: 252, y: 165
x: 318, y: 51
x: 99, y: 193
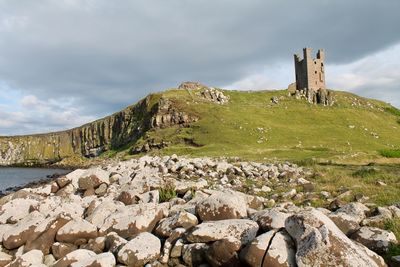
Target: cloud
x: 103, y: 55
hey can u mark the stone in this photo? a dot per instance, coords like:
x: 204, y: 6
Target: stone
x: 140, y: 250
x: 114, y: 242
x: 59, y: 250
x: 74, y: 256
x: 96, y: 245
x: 320, y: 242
x: 62, y: 181
x: 281, y: 251
x: 45, y: 240
x: 98, y: 215
x: 31, y: 258
x: 195, y: 254
x: 101, y: 190
x: 16, y: 209
x: 49, y: 260
x: 5, y: 259
x: 106, y: 259
x: 241, y: 229
x: 269, y: 219
x: 89, y: 182
x: 180, y: 219
x: 253, y: 253
x: 221, y: 206
x: 381, y: 215
x: 349, y: 217
x: 131, y: 220
x: 375, y: 239
x: 17, y: 235
x: 76, y: 230
x: 223, y: 252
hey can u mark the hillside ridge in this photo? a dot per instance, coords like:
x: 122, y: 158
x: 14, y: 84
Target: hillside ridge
x: 155, y: 123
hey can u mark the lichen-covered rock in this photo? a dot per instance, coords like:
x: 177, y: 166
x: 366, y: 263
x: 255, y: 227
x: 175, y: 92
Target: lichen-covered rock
x: 320, y: 242
x: 269, y: 219
x: 349, y: 217
x: 180, y: 219
x: 274, y: 248
x: 74, y: 256
x: 131, y: 220
x: 140, y: 250
x: 221, y: 206
x: 253, y: 253
x: 374, y: 238
x: 241, y: 229
x: 114, y: 242
x: 22, y: 231
x: 98, y: 215
x: 77, y: 230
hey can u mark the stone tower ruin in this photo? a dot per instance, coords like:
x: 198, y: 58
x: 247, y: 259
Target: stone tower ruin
x: 310, y: 73
x: 310, y: 77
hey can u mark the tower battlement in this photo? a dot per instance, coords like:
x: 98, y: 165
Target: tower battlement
x: 310, y: 72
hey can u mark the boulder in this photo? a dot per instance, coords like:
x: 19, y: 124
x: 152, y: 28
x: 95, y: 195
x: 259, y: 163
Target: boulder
x: 16, y: 209
x: 349, y: 217
x: 374, y: 238
x: 31, y: 258
x: 223, y: 252
x: 77, y: 231
x: 96, y: 245
x: 194, y: 254
x: 89, y: 182
x: 45, y: 240
x: 22, y: 231
x: 222, y: 206
x: 114, y: 242
x: 180, y: 219
x: 320, y: 242
x: 274, y: 248
x: 269, y: 219
x: 106, y: 259
x: 5, y: 259
x: 131, y: 220
x: 59, y: 250
x: 140, y: 250
x: 100, y: 212
x: 241, y: 229
x: 74, y: 256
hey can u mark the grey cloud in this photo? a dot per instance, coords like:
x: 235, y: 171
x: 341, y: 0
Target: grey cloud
x: 108, y: 54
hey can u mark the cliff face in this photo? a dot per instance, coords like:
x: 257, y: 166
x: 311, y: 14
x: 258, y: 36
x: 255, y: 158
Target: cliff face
x: 91, y: 139
x: 88, y: 140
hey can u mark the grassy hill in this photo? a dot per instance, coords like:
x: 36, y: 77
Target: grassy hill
x: 353, y: 129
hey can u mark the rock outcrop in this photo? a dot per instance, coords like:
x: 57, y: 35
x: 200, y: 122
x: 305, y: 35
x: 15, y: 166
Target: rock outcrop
x: 204, y: 222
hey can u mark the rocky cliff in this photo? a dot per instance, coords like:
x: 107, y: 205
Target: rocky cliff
x: 92, y: 139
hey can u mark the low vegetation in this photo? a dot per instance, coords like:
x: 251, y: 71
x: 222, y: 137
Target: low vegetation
x: 390, y: 153
x: 167, y: 193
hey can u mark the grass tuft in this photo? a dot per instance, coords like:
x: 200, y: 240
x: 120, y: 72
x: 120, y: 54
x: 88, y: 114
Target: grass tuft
x: 365, y: 172
x: 167, y: 193
x: 390, y: 153
x: 393, y: 110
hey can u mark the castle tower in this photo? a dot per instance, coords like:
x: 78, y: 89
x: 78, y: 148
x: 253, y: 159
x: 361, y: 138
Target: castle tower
x: 310, y: 73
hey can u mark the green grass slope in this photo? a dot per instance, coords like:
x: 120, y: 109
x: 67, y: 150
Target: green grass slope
x: 252, y: 127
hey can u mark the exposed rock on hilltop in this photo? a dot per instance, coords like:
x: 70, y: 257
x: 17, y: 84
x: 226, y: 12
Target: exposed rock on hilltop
x: 173, y: 211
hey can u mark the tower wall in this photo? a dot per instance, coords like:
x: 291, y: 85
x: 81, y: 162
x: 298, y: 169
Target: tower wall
x: 310, y: 73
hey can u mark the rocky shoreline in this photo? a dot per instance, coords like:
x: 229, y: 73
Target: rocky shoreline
x: 173, y: 211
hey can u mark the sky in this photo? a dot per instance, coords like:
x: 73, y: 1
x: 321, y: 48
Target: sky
x: 66, y: 62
